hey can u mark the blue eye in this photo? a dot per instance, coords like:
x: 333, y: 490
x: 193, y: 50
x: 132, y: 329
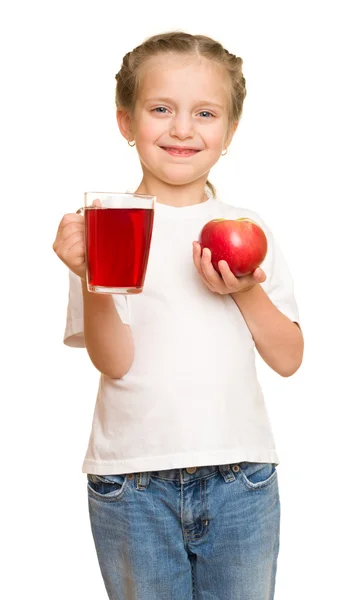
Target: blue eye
x: 205, y: 113
x: 160, y: 110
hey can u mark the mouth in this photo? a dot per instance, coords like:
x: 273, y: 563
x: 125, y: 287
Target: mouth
x: 180, y: 151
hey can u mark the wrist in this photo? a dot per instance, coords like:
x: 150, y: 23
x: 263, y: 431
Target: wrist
x: 246, y: 292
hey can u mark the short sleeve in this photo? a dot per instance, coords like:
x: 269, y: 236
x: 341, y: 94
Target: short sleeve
x: 279, y: 283
x: 74, y: 330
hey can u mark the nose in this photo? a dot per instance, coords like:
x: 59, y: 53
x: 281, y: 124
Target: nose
x: 182, y: 126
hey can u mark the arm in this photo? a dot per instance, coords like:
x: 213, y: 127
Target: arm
x: 278, y: 340
x: 108, y: 340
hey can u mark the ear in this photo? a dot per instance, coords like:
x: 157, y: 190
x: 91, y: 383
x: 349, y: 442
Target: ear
x: 125, y: 124
x: 231, y: 131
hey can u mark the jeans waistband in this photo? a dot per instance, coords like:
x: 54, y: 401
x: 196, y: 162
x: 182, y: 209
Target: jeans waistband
x: 188, y: 474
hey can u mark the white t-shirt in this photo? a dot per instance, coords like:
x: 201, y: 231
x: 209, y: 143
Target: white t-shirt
x: 191, y: 397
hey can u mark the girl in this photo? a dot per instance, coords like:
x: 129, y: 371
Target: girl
x: 181, y: 463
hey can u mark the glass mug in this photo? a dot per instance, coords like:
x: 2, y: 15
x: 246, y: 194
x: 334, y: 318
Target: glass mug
x: 118, y: 229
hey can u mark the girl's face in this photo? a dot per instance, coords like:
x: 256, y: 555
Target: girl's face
x: 180, y: 123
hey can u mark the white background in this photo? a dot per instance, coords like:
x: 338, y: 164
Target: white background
x: 293, y: 160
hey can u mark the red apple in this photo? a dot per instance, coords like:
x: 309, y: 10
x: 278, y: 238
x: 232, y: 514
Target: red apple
x: 240, y: 242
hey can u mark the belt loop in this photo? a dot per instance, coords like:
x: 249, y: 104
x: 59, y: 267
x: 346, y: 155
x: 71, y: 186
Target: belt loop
x: 227, y: 473
x: 142, y: 480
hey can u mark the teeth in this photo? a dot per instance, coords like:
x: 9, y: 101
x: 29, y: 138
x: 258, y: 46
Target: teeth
x: 181, y: 149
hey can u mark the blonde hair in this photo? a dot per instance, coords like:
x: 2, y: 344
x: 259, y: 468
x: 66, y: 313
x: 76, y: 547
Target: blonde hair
x: 180, y: 43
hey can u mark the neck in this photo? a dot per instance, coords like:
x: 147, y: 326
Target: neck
x: 174, y: 195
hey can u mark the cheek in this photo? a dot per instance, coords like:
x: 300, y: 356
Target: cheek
x: 215, y: 135
x: 149, y: 130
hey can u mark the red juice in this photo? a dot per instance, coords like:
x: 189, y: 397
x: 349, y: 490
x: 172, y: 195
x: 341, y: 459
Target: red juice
x: 117, y: 247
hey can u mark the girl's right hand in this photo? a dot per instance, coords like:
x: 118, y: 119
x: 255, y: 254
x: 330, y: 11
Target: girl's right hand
x: 69, y: 244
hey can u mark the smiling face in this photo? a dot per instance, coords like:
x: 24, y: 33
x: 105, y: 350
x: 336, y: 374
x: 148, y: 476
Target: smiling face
x: 180, y: 122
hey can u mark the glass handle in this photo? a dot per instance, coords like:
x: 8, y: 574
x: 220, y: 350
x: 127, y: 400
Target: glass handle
x: 96, y: 204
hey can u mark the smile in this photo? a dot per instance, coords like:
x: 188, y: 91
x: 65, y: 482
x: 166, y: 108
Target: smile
x: 182, y: 152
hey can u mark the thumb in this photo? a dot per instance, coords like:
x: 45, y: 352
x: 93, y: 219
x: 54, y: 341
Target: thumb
x: 259, y: 275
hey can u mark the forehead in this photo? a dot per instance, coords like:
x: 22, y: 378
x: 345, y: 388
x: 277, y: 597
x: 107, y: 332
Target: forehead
x: 183, y: 77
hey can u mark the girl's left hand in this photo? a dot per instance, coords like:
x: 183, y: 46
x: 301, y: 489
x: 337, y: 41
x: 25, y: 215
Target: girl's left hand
x: 227, y: 283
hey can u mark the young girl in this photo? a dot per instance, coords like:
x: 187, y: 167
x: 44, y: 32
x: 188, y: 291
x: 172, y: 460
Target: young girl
x: 181, y: 462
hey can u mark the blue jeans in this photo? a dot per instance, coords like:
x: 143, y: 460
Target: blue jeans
x: 206, y: 533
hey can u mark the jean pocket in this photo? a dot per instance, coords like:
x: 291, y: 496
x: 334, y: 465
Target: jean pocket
x: 257, y: 475
x: 106, y: 487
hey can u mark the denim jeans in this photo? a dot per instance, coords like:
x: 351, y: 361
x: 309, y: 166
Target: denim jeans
x: 205, y: 533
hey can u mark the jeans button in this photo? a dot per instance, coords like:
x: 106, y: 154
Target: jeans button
x: 191, y: 470
x: 236, y: 468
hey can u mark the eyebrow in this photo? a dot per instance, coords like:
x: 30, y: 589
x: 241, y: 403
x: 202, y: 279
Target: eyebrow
x: 171, y: 101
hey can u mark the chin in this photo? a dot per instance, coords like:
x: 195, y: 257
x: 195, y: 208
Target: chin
x: 182, y: 175
x: 177, y: 181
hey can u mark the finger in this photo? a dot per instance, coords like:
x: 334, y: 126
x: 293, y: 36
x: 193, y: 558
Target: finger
x: 246, y: 281
x: 63, y: 247
x: 69, y: 229
x: 66, y: 232
x: 259, y: 275
x: 68, y: 252
x: 197, y: 262
x: 228, y: 277
x: 197, y: 256
x: 66, y: 228
x: 69, y: 219
x: 210, y: 274
x: 96, y: 202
